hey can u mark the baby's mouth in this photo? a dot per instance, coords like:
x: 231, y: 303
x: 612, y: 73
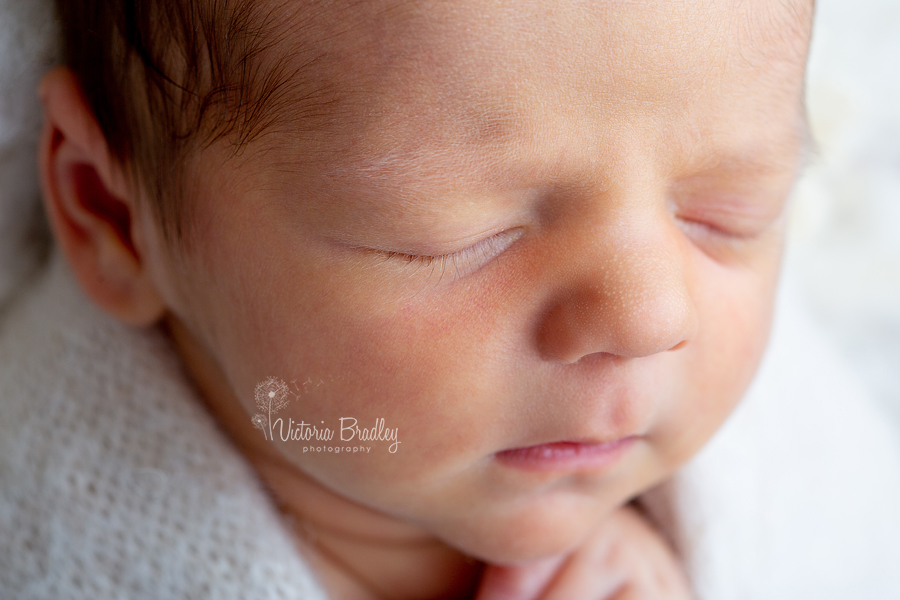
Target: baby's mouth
x: 567, y: 455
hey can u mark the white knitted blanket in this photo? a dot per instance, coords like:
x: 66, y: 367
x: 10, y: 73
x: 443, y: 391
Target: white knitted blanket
x: 115, y: 483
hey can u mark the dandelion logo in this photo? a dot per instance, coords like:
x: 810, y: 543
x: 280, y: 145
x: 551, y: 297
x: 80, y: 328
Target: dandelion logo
x: 271, y: 396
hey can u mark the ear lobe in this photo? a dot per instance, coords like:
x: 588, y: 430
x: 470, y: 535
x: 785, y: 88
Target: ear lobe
x: 91, y: 208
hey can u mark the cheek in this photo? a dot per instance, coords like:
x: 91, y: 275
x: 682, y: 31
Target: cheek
x: 350, y: 345
x: 735, y: 311
x: 425, y: 365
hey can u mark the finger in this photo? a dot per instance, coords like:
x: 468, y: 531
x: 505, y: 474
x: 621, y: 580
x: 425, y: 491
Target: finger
x: 522, y: 582
x: 653, y: 571
x: 657, y: 573
x: 624, y: 560
x: 588, y: 576
x: 635, y: 592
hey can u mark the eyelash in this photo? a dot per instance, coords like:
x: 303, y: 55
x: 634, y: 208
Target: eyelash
x: 463, y: 262
x: 709, y: 229
x: 720, y: 244
x: 721, y: 233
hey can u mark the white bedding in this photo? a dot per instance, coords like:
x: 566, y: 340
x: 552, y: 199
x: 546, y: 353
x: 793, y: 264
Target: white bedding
x: 846, y: 229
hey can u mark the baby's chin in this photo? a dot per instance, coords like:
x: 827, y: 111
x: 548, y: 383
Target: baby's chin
x: 550, y: 528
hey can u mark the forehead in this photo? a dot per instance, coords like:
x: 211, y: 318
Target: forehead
x: 419, y: 83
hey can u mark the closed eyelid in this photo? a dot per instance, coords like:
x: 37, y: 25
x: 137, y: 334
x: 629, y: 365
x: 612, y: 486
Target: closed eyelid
x: 462, y: 262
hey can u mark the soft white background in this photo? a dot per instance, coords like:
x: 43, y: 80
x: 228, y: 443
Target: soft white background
x: 845, y: 248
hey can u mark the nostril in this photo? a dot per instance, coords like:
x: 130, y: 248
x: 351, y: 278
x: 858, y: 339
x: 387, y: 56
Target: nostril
x: 679, y: 345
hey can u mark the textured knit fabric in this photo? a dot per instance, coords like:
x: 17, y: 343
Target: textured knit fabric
x: 114, y: 481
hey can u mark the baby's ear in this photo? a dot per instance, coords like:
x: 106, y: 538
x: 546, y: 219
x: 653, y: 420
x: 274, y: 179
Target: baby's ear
x: 92, y: 206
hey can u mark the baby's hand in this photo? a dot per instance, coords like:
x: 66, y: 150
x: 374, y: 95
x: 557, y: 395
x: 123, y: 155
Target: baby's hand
x: 624, y: 559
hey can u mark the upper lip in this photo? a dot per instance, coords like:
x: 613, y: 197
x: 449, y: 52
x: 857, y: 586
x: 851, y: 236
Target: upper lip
x: 588, y: 404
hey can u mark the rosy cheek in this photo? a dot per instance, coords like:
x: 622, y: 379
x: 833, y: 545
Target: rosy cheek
x: 734, y: 308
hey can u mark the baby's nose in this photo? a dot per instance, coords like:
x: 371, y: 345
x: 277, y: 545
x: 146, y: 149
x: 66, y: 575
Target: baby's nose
x: 627, y: 295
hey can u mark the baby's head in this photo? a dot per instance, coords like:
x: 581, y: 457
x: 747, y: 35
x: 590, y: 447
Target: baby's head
x: 494, y: 225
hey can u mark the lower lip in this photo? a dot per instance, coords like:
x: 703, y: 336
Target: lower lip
x: 566, y: 456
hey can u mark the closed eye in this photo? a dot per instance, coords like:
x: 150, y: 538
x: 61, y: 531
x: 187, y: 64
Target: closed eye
x: 726, y: 245
x: 456, y: 264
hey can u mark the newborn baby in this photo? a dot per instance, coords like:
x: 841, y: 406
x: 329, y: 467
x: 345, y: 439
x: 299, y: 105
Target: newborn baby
x: 459, y: 279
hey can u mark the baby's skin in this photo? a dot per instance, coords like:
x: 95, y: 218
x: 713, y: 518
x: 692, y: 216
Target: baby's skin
x: 530, y: 223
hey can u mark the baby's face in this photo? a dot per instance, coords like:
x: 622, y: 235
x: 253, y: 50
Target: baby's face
x: 528, y: 222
